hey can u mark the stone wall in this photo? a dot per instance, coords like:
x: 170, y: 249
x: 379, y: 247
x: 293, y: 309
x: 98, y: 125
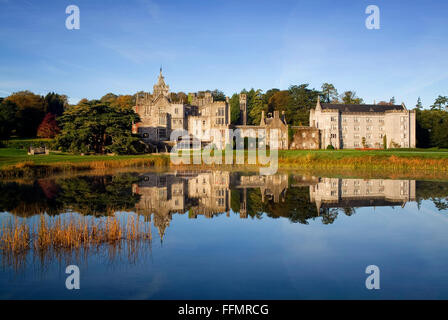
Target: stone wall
x: 305, y: 138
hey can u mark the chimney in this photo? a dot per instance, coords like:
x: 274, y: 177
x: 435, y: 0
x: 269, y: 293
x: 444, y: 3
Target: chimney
x: 276, y: 114
x: 262, y: 122
x: 318, y: 106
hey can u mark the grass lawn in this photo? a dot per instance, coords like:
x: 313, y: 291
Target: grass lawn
x: 347, y: 153
x: 9, y: 156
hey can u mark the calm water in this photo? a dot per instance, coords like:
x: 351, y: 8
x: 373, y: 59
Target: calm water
x: 221, y: 235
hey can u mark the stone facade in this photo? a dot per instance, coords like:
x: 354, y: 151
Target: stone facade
x: 305, y: 138
x: 364, y: 126
x: 339, y: 125
x: 160, y: 117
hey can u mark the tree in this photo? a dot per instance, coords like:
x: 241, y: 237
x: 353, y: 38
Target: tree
x: 384, y: 142
x: 109, y: 98
x: 419, y: 104
x: 363, y: 142
x: 8, y: 119
x: 440, y: 103
x: 330, y: 93
x: 302, y: 99
x: 124, y: 102
x: 218, y: 95
x: 49, y: 127
x: 432, y: 128
x: 96, y: 127
x: 30, y: 112
x: 234, y: 108
x: 280, y: 101
x: 55, y: 103
x: 269, y: 94
x: 349, y: 97
x: 256, y: 107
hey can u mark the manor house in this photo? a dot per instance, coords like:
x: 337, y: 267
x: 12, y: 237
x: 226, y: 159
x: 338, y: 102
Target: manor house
x: 340, y: 125
x: 348, y: 126
x: 160, y: 116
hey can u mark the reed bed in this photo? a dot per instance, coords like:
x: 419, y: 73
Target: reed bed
x: 72, y: 232
x: 310, y: 160
x: 31, y: 169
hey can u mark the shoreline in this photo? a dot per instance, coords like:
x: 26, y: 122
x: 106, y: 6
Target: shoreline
x: 378, y: 163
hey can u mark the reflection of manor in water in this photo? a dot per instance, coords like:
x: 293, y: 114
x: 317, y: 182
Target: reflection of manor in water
x: 209, y: 193
x: 205, y: 193
x: 345, y: 193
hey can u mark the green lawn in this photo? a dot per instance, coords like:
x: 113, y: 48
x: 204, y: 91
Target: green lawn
x: 9, y: 156
x: 339, y: 154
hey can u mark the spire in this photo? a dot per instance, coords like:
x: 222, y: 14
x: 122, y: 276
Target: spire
x: 161, y: 88
x: 318, y: 106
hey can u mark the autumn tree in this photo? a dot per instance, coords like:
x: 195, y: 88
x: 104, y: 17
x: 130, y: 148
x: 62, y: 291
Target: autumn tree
x: 124, y: 102
x: 49, y: 127
x: 280, y: 101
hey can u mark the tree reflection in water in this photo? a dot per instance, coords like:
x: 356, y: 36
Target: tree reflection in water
x: 157, y: 196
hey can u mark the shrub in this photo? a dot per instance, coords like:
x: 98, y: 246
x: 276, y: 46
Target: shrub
x: 330, y: 147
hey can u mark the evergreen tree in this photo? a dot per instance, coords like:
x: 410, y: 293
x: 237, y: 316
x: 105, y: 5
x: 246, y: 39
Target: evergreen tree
x: 419, y: 105
x: 95, y: 127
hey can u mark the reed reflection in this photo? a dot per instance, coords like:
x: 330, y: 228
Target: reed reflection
x: 157, y: 197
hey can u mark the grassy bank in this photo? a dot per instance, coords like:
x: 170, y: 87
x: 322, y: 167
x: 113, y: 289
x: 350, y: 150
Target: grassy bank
x: 16, y: 163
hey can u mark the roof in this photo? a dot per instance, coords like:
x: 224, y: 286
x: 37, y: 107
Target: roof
x: 362, y: 107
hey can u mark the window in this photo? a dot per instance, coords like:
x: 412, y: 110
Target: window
x: 333, y: 119
x: 176, y: 110
x: 356, y: 119
x: 356, y: 128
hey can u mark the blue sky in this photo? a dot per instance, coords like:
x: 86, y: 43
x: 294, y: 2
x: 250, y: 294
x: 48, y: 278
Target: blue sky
x: 228, y: 45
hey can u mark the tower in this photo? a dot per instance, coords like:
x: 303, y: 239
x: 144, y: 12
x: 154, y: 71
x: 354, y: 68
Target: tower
x: 161, y: 88
x: 243, y: 108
